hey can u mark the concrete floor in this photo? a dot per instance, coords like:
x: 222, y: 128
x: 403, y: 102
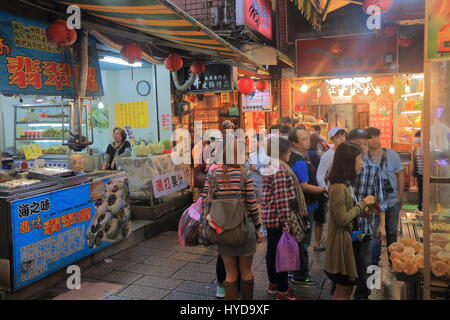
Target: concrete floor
x: 161, y: 269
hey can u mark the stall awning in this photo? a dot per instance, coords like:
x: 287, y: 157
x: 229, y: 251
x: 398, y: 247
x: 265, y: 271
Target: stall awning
x: 164, y: 20
x: 316, y: 11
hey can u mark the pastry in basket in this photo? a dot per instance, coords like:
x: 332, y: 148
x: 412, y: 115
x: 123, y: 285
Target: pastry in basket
x: 439, y: 268
x: 398, y: 265
x: 435, y: 250
x: 395, y: 255
x: 407, y: 241
x: 405, y: 257
x: 409, y: 251
x: 418, y: 247
x: 447, y: 248
x: 410, y: 268
x: 444, y: 256
x: 396, y: 247
x: 419, y: 260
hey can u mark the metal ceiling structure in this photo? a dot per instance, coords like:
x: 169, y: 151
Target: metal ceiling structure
x: 163, y: 20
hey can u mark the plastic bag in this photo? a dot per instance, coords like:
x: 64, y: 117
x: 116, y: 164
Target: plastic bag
x: 189, y: 224
x: 288, y: 258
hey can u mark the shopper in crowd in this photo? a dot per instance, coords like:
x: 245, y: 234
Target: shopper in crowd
x: 340, y: 265
x: 281, y: 193
x: 323, y: 145
x: 237, y: 260
x: 274, y: 131
x: 337, y: 136
x: 120, y: 147
x: 306, y: 174
x: 319, y: 213
x: 287, y: 121
x: 285, y: 130
x: 368, y: 183
x: 418, y: 167
x: 257, y: 160
x: 393, y: 176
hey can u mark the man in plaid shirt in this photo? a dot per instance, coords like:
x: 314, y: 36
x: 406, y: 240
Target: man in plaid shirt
x: 369, y: 182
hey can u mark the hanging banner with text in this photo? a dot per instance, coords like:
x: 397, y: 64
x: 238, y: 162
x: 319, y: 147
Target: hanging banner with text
x: 33, y: 66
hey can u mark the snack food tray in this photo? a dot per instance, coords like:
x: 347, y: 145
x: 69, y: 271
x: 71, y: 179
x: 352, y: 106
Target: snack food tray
x: 61, y: 175
x: 43, y: 184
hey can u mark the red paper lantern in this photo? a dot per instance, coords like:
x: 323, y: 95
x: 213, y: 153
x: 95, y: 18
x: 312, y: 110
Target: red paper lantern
x: 385, y: 5
x: 61, y: 35
x: 173, y: 62
x: 262, y: 85
x: 337, y: 48
x: 404, y: 42
x: 198, y: 67
x: 246, y: 85
x: 131, y: 53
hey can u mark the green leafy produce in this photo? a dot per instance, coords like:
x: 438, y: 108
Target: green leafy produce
x: 167, y: 144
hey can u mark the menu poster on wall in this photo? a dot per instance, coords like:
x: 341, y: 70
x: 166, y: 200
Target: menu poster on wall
x: 438, y: 28
x: 133, y: 114
x: 257, y: 101
x: 217, y: 78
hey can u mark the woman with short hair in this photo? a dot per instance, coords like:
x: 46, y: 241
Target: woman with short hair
x: 120, y: 147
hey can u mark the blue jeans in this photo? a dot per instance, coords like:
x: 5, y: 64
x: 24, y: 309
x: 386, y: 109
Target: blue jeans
x: 392, y: 216
x: 303, y: 273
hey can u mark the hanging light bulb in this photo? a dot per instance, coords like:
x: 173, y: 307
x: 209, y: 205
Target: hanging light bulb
x: 407, y: 88
x: 100, y: 105
x: 391, y: 89
x: 377, y: 91
x: 304, y: 88
x: 366, y: 91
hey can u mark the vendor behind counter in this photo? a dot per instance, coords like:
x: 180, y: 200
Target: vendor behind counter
x: 120, y: 147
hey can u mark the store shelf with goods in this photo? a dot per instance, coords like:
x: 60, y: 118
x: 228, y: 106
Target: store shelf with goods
x: 42, y: 139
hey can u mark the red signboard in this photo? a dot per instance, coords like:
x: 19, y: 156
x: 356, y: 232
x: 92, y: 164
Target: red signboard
x: 258, y: 16
x: 360, y: 54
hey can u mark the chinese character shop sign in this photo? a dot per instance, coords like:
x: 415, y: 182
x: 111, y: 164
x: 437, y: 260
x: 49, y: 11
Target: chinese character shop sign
x: 258, y: 16
x: 32, y: 65
x: 168, y: 183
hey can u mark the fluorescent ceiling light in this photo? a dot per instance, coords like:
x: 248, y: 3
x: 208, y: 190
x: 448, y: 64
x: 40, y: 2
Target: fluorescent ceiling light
x: 417, y: 76
x: 117, y: 60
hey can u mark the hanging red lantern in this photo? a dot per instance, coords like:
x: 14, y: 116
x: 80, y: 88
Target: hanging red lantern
x: 404, y: 42
x: 173, y: 62
x: 198, y: 67
x: 337, y: 48
x: 262, y: 85
x: 246, y: 85
x: 61, y: 35
x: 385, y: 5
x: 131, y: 53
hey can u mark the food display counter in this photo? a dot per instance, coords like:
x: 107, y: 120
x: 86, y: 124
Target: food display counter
x: 59, y: 218
x: 154, y: 176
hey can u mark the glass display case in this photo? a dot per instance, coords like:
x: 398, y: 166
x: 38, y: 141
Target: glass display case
x: 408, y: 105
x: 437, y: 183
x: 45, y: 124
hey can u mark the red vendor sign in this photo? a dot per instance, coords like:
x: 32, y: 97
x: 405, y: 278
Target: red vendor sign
x: 359, y: 54
x: 258, y: 16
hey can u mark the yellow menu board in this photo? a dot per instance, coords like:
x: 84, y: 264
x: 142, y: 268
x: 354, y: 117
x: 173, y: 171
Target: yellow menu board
x: 32, y: 151
x: 133, y: 114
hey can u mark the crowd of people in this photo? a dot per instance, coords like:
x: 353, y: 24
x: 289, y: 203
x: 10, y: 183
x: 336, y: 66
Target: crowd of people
x: 348, y: 179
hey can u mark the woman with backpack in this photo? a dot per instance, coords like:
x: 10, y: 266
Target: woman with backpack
x: 230, y: 181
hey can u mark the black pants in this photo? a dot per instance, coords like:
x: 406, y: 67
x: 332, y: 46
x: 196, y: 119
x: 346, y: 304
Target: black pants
x: 362, y: 251
x: 280, y: 278
x: 420, y: 185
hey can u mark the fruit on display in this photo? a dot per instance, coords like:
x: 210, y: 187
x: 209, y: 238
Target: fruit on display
x: 167, y: 144
x: 55, y: 150
x: 157, y: 148
x: 112, y: 218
